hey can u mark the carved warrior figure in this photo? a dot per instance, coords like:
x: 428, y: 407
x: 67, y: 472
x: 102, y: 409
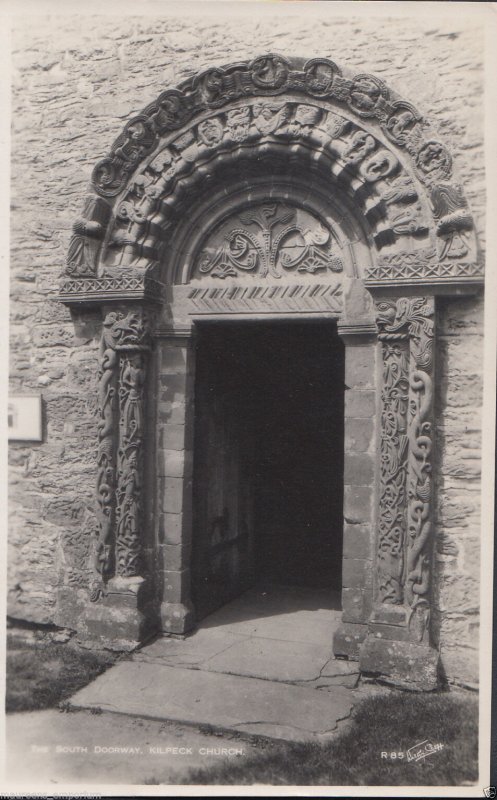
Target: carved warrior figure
x: 88, y: 232
x: 129, y: 494
x: 238, y: 123
x: 404, y: 536
x: 121, y: 333
x: 269, y: 76
x: 267, y: 251
x: 269, y: 116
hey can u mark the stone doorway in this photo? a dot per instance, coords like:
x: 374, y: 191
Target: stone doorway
x: 268, y: 460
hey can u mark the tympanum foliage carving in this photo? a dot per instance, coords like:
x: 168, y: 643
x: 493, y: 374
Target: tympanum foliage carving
x: 405, y: 329
x: 269, y: 241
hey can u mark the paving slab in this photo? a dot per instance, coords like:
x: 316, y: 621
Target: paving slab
x: 271, y: 659
x: 82, y: 748
x: 248, y: 705
x: 289, y: 613
x: 194, y: 649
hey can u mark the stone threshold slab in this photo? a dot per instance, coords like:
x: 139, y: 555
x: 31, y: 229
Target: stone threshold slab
x: 226, y: 702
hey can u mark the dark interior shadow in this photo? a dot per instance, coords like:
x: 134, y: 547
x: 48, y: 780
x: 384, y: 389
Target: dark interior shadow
x: 268, y: 476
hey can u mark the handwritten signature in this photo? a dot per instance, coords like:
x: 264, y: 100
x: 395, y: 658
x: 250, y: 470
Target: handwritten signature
x: 423, y: 750
x: 415, y: 753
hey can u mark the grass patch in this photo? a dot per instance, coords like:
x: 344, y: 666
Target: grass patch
x: 42, y: 673
x: 389, y: 724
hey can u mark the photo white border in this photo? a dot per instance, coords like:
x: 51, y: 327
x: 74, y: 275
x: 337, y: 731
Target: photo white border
x: 487, y: 12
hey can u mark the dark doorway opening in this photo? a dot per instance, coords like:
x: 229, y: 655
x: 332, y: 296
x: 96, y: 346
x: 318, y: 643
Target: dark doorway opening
x: 268, y: 464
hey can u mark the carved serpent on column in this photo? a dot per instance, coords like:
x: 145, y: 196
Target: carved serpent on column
x: 125, y: 337
x: 130, y: 457
x: 401, y: 322
x: 105, y: 456
x: 420, y: 477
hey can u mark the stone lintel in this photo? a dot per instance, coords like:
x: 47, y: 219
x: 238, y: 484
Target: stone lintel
x: 404, y: 664
x: 178, y: 332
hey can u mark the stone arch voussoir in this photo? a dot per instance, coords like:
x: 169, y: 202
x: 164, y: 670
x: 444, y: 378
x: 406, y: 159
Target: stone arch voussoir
x: 351, y: 129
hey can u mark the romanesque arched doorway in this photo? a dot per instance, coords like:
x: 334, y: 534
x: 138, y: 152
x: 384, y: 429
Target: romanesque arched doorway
x: 274, y: 191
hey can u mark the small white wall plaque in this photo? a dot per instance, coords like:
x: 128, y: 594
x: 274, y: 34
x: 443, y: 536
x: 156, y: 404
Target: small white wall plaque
x: 24, y: 417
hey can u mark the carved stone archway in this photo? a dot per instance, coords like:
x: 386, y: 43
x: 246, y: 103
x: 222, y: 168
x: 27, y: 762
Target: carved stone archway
x: 354, y: 174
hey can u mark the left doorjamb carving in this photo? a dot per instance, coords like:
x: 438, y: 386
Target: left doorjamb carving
x: 124, y: 348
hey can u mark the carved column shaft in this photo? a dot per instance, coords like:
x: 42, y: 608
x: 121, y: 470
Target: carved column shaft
x: 124, y: 353
x: 406, y: 330
x: 129, y: 499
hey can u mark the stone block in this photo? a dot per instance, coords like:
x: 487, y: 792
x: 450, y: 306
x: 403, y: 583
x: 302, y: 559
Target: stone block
x: 360, y: 403
x: 173, y: 359
x: 360, y: 366
x: 176, y: 585
x: 172, y: 411
x: 460, y: 666
x: 171, y: 530
x: 348, y: 638
x: 358, y: 468
x: 356, y: 572
x: 356, y: 605
x: 358, y: 541
x: 171, y: 463
x: 359, y: 435
x: 404, y: 664
x: 175, y: 556
x: 121, y: 621
x: 173, y: 436
x: 50, y: 335
x: 172, y: 494
x: 177, y: 618
x: 172, y: 385
x: 357, y: 504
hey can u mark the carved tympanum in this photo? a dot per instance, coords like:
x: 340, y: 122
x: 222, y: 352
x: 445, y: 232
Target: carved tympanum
x: 406, y: 332
x: 377, y: 148
x: 269, y: 240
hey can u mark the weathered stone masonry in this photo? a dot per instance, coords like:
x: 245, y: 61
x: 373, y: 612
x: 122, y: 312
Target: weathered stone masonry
x: 63, y: 359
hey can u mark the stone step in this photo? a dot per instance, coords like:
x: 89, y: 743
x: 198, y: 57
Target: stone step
x: 225, y: 702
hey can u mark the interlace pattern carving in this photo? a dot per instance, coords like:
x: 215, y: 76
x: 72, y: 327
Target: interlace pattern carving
x: 268, y: 251
x: 123, y: 334
x: 130, y: 467
x: 406, y: 330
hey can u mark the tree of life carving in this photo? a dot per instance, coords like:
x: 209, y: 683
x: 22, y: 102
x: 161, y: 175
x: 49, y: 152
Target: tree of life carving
x: 270, y: 240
